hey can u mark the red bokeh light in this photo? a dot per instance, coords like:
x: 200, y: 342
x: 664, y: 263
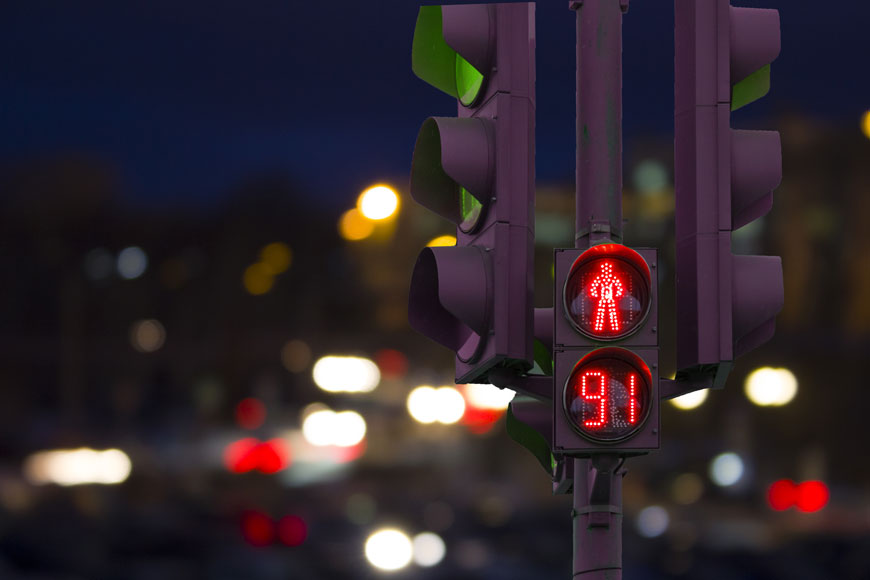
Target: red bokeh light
x: 812, y: 496
x: 782, y: 494
x: 607, y: 295
x: 480, y: 421
x: 250, y: 413
x: 392, y: 363
x: 257, y: 529
x: 292, y: 530
x: 249, y: 453
x: 809, y: 496
x: 608, y: 395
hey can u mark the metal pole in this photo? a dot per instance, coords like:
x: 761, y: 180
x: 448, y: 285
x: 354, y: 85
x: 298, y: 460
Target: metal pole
x: 597, y: 517
x: 597, y: 513
x: 599, y: 120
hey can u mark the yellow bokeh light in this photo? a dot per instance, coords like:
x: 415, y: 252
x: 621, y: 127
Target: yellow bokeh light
x: 277, y: 256
x: 258, y: 278
x: 354, y: 227
x: 378, y: 202
x: 865, y: 124
x: 442, y: 241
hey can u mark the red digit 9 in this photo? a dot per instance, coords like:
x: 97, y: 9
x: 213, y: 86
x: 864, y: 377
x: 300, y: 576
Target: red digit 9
x: 600, y: 397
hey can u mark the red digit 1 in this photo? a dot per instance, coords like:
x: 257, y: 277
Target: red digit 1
x: 600, y: 396
x: 632, y: 399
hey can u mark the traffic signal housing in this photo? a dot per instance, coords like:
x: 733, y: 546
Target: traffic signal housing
x: 606, y: 395
x: 476, y: 170
x: 726, y: 304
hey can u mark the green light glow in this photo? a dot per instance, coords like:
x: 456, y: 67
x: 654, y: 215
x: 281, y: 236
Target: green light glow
x: 468, y: 81
x: 470, y: 209
x: 751, y: 88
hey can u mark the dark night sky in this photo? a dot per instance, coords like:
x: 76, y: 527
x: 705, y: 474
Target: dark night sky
x: 188, y: 98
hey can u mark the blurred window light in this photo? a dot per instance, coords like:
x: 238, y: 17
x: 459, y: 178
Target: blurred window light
x: 99, y: 264
x: 132, y: 262
x: 428, y: 549
x: 484, y: 396
x: 865, y: 124
x: 296, y: 356
x: 78, y: 467
x: 446, y: 240
x: 650, y: 177
x: 691, y: 400
x: 378, y: 202
x: 147, y: 335
x: 771, y: 387
x: 349, y: 374
x: 652, y: 521
x: 726, y: 469
x: 258, y: 279
x: 277, y: 257
x: 388, y: 549
x: 354, y: 227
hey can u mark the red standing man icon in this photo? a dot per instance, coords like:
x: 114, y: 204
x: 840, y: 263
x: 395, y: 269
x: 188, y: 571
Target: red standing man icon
x: 607, y: 287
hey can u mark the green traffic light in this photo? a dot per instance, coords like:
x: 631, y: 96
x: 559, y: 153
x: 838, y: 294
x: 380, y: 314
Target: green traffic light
x: 470, y: 209
x: 437, y: 63
x: 751, y: 88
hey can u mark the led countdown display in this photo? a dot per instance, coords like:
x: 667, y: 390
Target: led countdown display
x: 608, y: 395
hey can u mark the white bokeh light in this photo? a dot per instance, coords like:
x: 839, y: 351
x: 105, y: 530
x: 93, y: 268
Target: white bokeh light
x: 419, y: 404
x: 485, y: 396
x: 349, y: 374
x: 388, y: 549
x: 78, y: 467
x: 429, y: 549
x: 652, y: 521
x: 770, y: 387
x: 726, y: 469
x: 450, y: 405
x: 326, y: 427
x: 691, y: 400
x: 132, y: 262
x: 378, y: 202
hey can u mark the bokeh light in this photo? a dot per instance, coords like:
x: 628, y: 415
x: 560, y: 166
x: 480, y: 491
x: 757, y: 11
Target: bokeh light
x: 296, y: 356
x: 771, y: 387
x: 292, y: 530
x: 99, y: 264
x: 132, y: 262
x: 378, y: 202
x: 147, y: 335
x: 687, y: 488
x: 392, y: 363
x: 485, y: 396
x: 428, y: 549
x: 353, y: 226
x: 428, y: 405
x: 388, y: 549
x: 258, y: 279
x: 250, y: 413
x: 326, y: 427
x: 349, y: 374
x: 865, y: 124
x: 726, y: 469
x: 257, y: 529
x: 650, y: 176
x: 652, y: 521
x: 440, y: 241
x: 276, y: 257
x: 78, y: 467
x: 691, y: 400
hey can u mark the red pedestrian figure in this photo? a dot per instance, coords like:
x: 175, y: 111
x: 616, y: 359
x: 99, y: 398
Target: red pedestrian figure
x: 607, y: 288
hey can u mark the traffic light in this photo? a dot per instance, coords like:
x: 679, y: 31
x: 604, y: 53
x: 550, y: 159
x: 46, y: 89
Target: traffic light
x: 477, y: 171
x: 726, y: 304
x: 606, y: 351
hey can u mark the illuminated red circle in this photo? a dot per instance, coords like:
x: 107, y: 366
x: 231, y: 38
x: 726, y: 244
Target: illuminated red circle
x: 608, y: 395
x: 257, y: 529
x: 292, y: 530
x: 782, y: 494
x: 812, y: 496
x: 607, y: 293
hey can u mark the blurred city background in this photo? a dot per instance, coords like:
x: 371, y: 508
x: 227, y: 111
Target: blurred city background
x: 206, y: 367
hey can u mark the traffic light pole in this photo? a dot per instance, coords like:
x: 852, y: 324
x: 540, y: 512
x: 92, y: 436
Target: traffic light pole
x: 597, y: 512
